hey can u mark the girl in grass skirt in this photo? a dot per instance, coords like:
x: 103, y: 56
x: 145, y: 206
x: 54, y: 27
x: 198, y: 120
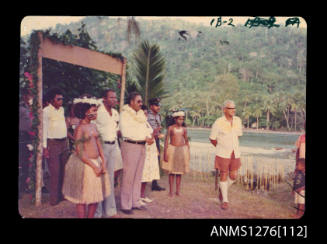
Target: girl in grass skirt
x: 176, y: 151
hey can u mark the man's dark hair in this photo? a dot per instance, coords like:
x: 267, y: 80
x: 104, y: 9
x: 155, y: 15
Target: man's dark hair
x: 45, y: 98
x: 104, y: 94
x: 132, y: 95
x: 170, y: 120
x: 53, y: 92
x: 81, y: 108
x: 154, y: 101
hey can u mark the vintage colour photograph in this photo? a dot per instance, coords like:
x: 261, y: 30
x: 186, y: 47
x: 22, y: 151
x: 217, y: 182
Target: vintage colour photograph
x: 162, y: 117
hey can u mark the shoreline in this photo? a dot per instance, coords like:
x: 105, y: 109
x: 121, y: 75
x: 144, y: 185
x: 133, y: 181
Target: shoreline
x: 205, y: 147
x: 254, y: 131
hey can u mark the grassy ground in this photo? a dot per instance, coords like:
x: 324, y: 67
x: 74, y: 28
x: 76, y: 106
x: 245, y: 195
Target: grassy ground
x: 198, y: 200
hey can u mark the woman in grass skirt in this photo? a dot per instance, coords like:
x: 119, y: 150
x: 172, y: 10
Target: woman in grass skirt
x: 86, y: 181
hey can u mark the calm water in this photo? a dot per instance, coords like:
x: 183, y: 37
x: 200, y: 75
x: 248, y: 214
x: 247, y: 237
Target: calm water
x: 251, y: 139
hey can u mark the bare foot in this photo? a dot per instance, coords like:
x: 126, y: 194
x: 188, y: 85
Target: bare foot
x: 177, y: 194
x: 224, y: 206
x: 296, y: 215
x: 170, y: 194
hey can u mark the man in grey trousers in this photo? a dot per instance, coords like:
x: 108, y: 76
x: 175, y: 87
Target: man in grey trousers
x: 107, y: 125
x: 135, y: 133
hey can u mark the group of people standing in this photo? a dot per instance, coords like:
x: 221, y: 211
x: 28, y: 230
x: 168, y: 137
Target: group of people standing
x: 87, y: 148
x: 84, y: 151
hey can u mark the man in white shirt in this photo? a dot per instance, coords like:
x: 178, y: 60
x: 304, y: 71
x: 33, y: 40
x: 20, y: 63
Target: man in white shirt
x: 135, y: 133
x: 55, y: 143
x: 107, y: 125
x: 224, y: 136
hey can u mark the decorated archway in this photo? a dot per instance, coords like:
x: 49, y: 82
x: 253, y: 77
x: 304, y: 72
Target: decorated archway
x: 74, y: 55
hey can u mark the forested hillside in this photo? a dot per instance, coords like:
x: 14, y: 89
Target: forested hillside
x: 262, y: 69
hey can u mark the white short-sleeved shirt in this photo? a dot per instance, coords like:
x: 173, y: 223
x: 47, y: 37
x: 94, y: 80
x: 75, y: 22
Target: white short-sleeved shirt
x: 54, y: 124
x: 227, y: 136
x: 107, y: 125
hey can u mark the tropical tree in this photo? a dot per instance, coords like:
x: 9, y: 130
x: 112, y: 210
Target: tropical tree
x: 246, y: 113
x: 268, y: 107
x: 195, y: 116
x: 257, y: 112
x: 298, y: 106
x: 149, y: 66
x: 132, y: 28
x: 286, y: 106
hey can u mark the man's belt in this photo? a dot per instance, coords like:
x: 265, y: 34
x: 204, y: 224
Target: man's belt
x: 109, y: 142
x: 58, y: 139
x: 135, y: 142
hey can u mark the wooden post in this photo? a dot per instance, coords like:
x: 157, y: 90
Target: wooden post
x: 38, y: 174
x: 122, y: 84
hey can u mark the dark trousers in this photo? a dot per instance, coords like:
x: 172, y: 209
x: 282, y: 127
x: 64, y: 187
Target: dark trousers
x: 154, y: 182
x: 58, y: 156
x: 24, y: 153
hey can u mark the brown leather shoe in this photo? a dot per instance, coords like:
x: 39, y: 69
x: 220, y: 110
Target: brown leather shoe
x: 224, y: 206
x: 127, y: 211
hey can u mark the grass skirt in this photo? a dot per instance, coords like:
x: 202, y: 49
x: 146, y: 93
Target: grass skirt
x: 81, y: 185
x: 178, y: 160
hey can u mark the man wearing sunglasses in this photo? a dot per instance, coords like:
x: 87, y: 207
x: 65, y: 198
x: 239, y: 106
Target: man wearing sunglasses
x: 224, y: 136
x: 55, y: 143
x: 135, y: 133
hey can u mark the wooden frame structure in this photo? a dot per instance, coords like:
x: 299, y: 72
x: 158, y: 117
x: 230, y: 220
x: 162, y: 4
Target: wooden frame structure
x: 77, y: 56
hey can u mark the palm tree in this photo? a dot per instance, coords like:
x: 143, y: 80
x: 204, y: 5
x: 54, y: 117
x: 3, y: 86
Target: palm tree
x: 286, y: 105
x: 150, y: 66
x: 195, y: 116
x: 269, y: 107
x: 257, y: 112
x: 247, y: 114
x: 132, y: 27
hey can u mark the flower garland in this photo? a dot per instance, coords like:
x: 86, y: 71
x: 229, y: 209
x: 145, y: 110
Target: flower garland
x: 137, y: 116
x: 34, y: 44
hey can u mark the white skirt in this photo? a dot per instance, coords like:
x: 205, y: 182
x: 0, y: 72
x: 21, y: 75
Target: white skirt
x: 151, y: 166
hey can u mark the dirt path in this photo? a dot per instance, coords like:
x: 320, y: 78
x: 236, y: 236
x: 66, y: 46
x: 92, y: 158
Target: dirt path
x: 198, y: 200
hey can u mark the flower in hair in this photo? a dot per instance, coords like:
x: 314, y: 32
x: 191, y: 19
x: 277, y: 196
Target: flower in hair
x: 178, y: 114
x: 92, y: 100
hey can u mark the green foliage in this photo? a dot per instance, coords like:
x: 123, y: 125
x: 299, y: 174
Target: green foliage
x: 149, y: 65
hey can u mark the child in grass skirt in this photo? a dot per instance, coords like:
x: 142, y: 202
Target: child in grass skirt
x: 177, y: 152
